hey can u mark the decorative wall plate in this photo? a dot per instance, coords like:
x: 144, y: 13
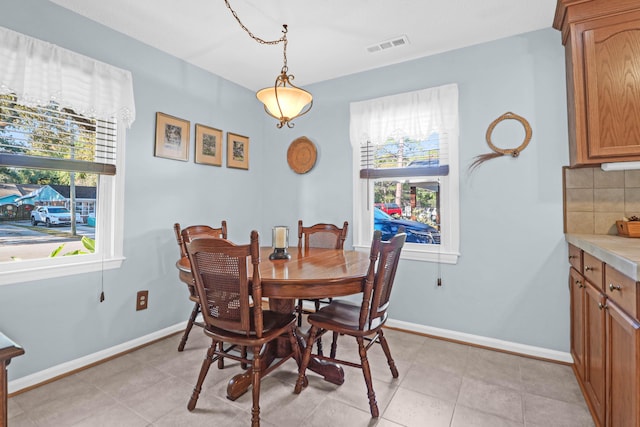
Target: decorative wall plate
x: 301, y: 155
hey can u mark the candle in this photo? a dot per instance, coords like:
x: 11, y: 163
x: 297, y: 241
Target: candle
x: 281, y: 237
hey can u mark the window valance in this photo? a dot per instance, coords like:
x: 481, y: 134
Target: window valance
x: 414, y: 114
x: 39, y: 72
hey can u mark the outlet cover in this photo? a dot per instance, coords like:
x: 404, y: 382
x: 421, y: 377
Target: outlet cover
x: 142, y: 300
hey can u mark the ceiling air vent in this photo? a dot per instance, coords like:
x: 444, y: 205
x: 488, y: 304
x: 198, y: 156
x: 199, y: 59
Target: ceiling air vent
x: 388, y: 44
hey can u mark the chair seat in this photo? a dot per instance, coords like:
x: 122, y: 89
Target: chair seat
x: 274, y: 324
x: 343, y: 316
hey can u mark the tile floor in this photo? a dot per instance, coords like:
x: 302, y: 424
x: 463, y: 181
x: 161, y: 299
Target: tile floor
x: 440, y: 384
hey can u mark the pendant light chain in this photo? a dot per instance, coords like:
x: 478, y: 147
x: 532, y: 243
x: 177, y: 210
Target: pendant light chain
x: 282, y: 39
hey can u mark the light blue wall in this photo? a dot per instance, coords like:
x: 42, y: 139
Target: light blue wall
x: 510, y: 282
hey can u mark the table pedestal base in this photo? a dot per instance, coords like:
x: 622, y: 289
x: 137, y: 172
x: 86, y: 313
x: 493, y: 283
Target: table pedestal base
x: 331, y: 372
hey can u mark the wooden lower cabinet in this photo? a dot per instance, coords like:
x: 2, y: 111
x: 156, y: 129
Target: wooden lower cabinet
x: 623, y: 384
x: 594, y: 380
x: 577, y: 290
x: 605, y: 344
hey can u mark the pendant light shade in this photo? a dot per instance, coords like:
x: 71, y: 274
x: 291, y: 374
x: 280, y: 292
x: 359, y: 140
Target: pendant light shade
x: 284, y: 101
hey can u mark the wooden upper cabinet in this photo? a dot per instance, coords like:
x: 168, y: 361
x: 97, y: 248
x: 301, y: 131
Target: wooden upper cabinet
x: 602, y: 52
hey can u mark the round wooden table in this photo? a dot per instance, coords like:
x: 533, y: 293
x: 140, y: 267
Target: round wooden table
x: 309, y: 274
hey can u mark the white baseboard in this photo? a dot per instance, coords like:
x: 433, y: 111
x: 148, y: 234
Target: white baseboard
x: 493, y: 343
x: 72, y: 365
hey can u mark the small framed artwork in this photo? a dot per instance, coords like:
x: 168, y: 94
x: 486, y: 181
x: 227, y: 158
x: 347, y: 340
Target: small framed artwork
x: 208, y: 145
x: 172, y: 137
x: 237, y: 151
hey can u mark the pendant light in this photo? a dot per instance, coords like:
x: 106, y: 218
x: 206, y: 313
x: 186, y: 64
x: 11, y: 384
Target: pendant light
x: 283, y: 101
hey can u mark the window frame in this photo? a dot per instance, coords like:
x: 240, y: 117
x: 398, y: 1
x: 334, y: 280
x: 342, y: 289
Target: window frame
x: 448, y: 251
x: 109, y: 236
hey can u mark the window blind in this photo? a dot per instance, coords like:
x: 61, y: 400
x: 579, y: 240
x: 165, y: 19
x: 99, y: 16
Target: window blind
x: 52, y: 137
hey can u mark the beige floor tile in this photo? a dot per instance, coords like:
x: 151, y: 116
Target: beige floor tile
x: 467, y: 417
x: 409, y: 408
x: 433, y: 381
x: 490, y: 398
x: 209, y: 412
x: 21, y: 420
x: 446, y: 355
x: 542, y: 411
x: 333, y: 412
x: 131, y: 381
x: 114, y: 415
x: 13, y: 408
x: 494, y: 367
x: 550, y: 380
x: 159, y: 399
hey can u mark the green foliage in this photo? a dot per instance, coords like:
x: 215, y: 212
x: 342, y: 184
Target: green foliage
x: 88, y: 243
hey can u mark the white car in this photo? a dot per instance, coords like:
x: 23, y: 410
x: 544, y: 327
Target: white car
x: 51, y: 215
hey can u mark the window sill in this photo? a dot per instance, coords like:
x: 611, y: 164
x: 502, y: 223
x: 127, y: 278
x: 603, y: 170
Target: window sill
x: 415, y: 254
x: 48, y: 268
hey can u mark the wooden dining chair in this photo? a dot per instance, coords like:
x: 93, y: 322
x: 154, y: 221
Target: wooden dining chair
x: 227, y: 279
x: 363, y: 321
x: 192, y: 232
x: 327, y: 236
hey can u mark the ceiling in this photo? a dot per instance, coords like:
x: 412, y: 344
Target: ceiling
x: 326, y: 38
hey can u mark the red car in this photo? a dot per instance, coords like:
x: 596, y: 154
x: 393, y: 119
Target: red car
x: 390, y: 208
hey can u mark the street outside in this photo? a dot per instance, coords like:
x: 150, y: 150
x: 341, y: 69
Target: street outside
x: 21, y: 240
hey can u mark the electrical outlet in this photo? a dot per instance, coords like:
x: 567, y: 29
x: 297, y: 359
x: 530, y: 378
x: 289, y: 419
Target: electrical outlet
x: 142, y: 300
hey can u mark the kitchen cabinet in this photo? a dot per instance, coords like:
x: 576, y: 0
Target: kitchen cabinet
x: 602, y: 54
x: 605, y: 339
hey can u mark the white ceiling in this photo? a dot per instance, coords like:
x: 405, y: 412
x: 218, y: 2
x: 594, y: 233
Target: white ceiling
x: 327, y: 38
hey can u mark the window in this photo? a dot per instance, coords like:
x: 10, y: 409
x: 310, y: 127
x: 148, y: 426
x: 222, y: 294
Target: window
x: 405, y: 150
x: 63, y: 118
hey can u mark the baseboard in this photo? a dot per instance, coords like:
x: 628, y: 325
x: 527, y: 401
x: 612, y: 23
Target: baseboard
x: 66, y: 368
x: 492, y: 343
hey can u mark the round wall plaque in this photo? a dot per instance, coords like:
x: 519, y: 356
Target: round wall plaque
x: 301, y: 155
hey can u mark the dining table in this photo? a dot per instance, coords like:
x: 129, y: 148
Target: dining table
x: 310, y: 273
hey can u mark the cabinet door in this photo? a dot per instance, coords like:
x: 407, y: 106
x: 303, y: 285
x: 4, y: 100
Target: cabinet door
x: 576, y: 289
x: 594, y: 381
x: 623, y: 384
x: 612, y: 82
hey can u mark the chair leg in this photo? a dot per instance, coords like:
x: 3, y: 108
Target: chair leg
x: 299, y: 312
x: 366, y: 371
x: 255, y: 386
x: 192, y: 318
x: 334, y: 345
x: 305, y: 360
x: 220, y: 358
x: 208, y: 360
x: 319, y: 343
x: 387, y: 352
x: 243, y: 354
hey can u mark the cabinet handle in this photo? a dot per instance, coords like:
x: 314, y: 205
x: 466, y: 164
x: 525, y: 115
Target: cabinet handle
x: 613, y: 287
x: 579, y: 283
x: 587, y: 268
x: 601, y: 306
x: 572, y: 257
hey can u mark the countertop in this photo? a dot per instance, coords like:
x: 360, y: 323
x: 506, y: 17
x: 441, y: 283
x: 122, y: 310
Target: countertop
x: 621, y: 253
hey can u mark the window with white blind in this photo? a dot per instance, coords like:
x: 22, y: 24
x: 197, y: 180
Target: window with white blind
x: 63, y: 120
x: 406, y: 171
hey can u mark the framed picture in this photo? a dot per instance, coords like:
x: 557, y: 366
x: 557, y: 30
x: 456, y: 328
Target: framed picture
x: 208, y: 145
x: 172, y: 137
x: 237, y: 151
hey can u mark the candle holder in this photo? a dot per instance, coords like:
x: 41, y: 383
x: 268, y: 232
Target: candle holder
x: 280, y: 242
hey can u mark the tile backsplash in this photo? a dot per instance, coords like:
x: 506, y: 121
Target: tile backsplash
x: 594, y: 199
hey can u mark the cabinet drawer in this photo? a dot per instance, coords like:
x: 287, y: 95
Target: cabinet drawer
x: 621, y: 289
x: 575, y: 257
x: 593, y: 269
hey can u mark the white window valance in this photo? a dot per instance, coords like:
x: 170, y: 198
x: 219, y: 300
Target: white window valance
x: 39, y: 72
x: 414, y: 114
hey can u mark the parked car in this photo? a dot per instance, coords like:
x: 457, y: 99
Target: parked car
x: 51, y: 215
x: 417, y: 232
x: 390, y: 208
